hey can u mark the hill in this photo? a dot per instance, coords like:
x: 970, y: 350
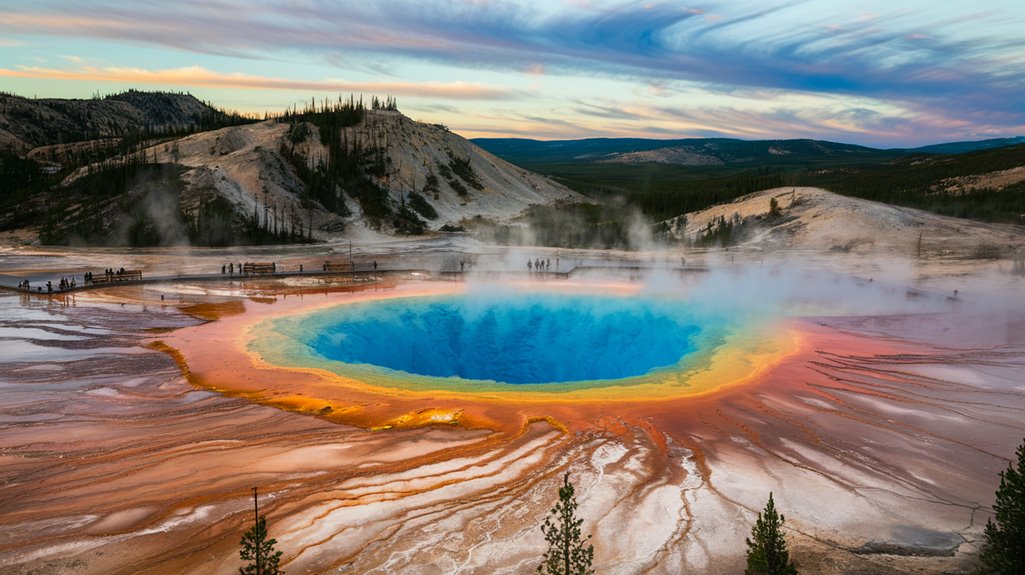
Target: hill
x: 987, y: 185
x: 26, y: 124
x: 665, y: 178
x: 685, y: 152
x: 306, y: 176
x: 819, y: 220
x: 712, y: 151
x: 973, y: 146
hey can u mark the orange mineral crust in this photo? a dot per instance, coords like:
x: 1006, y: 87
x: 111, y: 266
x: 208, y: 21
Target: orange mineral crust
x: 220, y: 355
x: 123, y: 459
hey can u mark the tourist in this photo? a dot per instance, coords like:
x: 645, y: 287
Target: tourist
x: 529, y: 265
x: 375, y: 265
x: 224, y: 270
x: 231, y: 268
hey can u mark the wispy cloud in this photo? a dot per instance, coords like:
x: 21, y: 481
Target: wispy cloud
x: 198, y: 76
x: 787, y: 45
x: 964, y: 62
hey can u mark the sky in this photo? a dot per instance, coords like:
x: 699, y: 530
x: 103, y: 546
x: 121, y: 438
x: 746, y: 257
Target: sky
x: 883, y: 73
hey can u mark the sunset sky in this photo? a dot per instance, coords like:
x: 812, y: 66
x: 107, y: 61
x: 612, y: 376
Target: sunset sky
x: 882, y: 73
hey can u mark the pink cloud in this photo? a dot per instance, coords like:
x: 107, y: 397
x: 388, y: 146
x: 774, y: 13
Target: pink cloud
x: 197, y: 76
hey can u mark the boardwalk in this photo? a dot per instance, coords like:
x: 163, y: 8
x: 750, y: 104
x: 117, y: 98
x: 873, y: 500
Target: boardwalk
x: 10, y: 282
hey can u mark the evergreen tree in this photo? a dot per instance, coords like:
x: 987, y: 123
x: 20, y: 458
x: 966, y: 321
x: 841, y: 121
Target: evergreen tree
x: 1004, y: 548
x: 767, y: 554
x: 257, y: 549
x: 566, y: 554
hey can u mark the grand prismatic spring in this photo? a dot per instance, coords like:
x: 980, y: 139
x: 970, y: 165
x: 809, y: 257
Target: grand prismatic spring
x: 417, y: 422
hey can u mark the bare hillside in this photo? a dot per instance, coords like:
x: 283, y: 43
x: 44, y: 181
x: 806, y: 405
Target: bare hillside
x: 816, y: 219
x: 287, y: 180
x: 419, y: 151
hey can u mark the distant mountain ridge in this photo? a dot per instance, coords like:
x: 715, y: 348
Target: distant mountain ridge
x: 972, y: 146
x: 27, y: 123
x: 711, y: 151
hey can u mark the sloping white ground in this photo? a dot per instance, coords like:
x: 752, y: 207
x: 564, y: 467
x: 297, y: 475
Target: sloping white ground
x: 244, y: 164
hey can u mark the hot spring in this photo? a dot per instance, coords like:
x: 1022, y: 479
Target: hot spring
x: 534, y: 338
x: 472, y: 342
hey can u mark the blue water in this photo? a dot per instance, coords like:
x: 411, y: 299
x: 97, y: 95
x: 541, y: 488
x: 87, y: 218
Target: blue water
x: 537, y: 338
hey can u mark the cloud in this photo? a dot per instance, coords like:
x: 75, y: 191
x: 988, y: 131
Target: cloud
x: 957, y: 61
x: 760, y: 114
x: 196, y: 76
x: 786, y: 45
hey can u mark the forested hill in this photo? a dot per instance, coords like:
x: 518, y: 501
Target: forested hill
x: 28, y: 123
x: 987, y: 185
x: 685, y: 152
x: 725, y: 152
x: 667, y: 178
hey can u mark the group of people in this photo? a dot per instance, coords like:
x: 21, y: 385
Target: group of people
x: 230, y: 268
x: 539, y: 265
x: 71, y: 283
x: 63, y: 284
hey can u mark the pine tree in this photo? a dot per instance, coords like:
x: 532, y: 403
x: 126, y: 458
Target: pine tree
x: 566, y: 554
x: 1004, y: 548
x: 768, y: 554
x: 257, y: 549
